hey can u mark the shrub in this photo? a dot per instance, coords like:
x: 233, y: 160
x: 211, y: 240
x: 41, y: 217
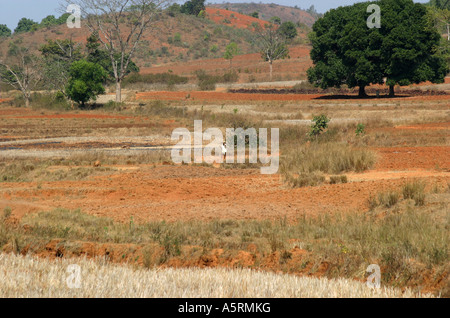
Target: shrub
x: 360, y: 130
x: 320, y: 124
x: 415, y: 191
x: 338, y: 179
x: 388, y: 199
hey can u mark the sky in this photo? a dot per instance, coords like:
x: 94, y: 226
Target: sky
x: 11, y: 11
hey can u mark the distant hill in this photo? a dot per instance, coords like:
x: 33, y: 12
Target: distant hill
x: 178, y: 39
x: 267, y: 11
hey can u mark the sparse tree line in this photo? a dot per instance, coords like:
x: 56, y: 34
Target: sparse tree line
x: 345, y: 50
x: 80, y: 73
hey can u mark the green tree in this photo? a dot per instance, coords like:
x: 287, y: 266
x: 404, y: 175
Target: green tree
x: 63, y: 18
x: 174, y: 9
x: 4, y: 31
x: 275, y: 20
x: 409, y: 44
x: 346, y: 51
x: 193, y: 7
x: 255, y: 15
x: 85, y: 82
x: 231, y: 50
x: 120, y: 30
x: 289, y: 30
x: 24, y: 25
x: 58, y: 57
x: 49, y: 21
x: 271, y: 43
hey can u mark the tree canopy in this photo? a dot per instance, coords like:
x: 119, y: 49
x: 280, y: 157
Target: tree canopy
x: 85, y: 81
x: 24, y: 25
x: 193, y: 7
x: 346, y: 51
x: 289, y: 30
x: 4, y: 31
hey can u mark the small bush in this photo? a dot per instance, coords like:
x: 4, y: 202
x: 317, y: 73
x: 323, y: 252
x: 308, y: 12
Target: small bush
x: 338, y: 179
x: 388, y: 199
x: 320, y: 123
x: 360, y: 130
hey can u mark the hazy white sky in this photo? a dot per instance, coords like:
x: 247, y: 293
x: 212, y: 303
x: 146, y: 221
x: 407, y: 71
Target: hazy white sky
x: 11, y: 11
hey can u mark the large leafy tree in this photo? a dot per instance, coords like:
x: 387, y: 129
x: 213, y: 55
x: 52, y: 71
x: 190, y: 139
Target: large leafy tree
x: 85, y: 82
x: 346, y: 51
x: 409, y: 45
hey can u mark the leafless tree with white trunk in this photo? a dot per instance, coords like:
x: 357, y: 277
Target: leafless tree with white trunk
x: 120, y: 25
x: 271, y: 42
x: 21, y: 69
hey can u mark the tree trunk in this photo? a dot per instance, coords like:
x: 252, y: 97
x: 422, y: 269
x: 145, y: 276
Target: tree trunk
x: 448, y: 31
x: 118, y: 91
x: 27, y: 101
x: 391, y: 91
x: 362, y: 91
x: 270, y: 67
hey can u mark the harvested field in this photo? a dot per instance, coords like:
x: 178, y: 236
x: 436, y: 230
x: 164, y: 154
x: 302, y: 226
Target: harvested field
x: 21, y: 280
x: 117, y: 165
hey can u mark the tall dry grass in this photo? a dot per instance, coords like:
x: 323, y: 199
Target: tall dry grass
x: 25, y: 276
x: 304, y: 165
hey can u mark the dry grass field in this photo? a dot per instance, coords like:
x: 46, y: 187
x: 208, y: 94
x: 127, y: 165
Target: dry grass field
x: 25, y: 276
x: 101, y: 183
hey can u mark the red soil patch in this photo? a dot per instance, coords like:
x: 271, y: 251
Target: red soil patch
x: 5, y: 100
x: 402, y: 158
x: 237, y: 20
x: 191, y: 192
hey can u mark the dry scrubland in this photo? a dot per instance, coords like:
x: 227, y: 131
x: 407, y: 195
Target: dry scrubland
x: 26, y: 276
x: 340, y: 202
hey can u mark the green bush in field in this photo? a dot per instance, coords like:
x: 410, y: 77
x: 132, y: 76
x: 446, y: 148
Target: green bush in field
x: 320, y: 124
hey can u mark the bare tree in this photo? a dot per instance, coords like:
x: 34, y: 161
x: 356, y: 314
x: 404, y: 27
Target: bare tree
x: 120, y: 25
x: 272, y: 44
x: 21, y: 69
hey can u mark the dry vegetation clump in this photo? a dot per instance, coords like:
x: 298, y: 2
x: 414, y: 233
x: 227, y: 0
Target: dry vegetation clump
x: 306, y: 164
x: 26, y: 276
x: 409, y: 243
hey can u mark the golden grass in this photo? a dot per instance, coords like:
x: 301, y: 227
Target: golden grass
x: 26, y: 276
